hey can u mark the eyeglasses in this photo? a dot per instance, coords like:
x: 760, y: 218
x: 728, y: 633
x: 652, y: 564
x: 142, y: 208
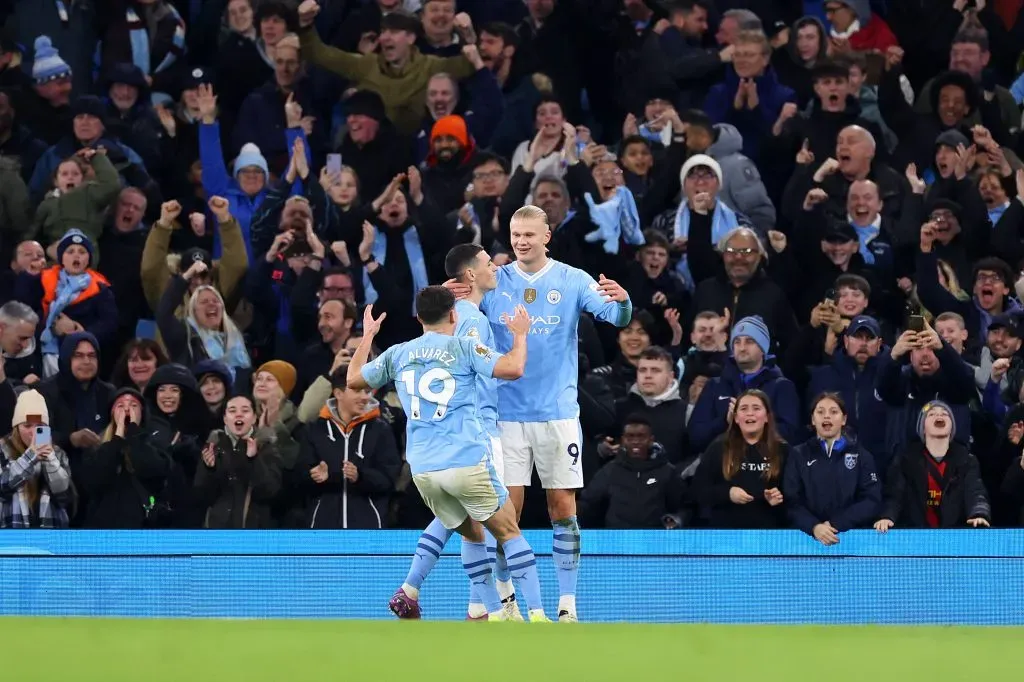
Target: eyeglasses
x: 608, y: 172
x: 988, y: 279
x: 701, y: 174
x: 733, y: 251
x: 488, y: 175
x: 83, y: 356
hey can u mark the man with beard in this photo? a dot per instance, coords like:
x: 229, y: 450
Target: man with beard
x: 334, y: 324
x: 853, y: 373
x: 744, y: 288
x: 750, y: 366
x: 449, y: 164
x: 919, y: 368
x: 482, y: 112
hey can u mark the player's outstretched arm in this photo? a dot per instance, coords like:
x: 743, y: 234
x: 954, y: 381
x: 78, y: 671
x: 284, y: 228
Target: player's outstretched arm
x: 354, y: 378
x: 512, y: 364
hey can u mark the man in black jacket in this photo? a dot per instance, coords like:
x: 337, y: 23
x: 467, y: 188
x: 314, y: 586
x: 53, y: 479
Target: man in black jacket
x: 78, y: 401
x: 349, y: 462
x: 655, y: 396
x: 636, y: 490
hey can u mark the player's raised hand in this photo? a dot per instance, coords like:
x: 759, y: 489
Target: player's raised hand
x: 371, y: 326
x: 459, y: 289
x: 519, y: 324
x: 611, y: 290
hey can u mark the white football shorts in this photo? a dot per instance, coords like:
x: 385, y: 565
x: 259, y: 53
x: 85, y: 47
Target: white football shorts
x: 554, y: 447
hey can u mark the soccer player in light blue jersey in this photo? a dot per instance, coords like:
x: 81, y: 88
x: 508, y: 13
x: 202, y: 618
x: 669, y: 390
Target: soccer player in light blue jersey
x: 469, y: 264
x: 539, y: 415
x: 447, y: 447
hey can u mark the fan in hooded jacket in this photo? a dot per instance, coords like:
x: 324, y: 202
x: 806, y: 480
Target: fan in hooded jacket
x: 126, y: 477
x: 349, y: 462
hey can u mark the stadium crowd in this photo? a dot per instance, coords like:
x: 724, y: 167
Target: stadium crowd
x: 186, y: 258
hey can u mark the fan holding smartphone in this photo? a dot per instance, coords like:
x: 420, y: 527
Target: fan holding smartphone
x: 42, y: 492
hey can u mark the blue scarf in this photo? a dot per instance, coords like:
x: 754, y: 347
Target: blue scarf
x: 994, y: 214
x: 864, y: 237
x: 139, y: 39
x: 215, y: 343
x: 616, y: 219
x: 723, y: 220
x: 68, y: 289
x: 413, y: 252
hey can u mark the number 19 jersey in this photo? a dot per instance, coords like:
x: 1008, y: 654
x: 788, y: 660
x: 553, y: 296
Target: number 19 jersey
x: 435, y: 376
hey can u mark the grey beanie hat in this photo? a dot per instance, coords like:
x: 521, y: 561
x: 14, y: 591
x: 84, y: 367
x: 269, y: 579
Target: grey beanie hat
x: 924, y: 413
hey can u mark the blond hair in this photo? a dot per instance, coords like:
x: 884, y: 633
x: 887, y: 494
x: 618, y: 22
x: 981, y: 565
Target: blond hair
x: 530, y: 212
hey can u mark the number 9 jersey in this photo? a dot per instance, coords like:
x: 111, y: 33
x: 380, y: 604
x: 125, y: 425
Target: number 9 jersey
x: 435, y: 376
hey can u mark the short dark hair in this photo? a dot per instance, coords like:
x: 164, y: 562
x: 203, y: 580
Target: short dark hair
x: 502, y: 30
x: 857, y: 282
x: 245, y: 396
x: 482, y: 158
x: 274, y: 8
x: 433, y: 303
x: 631, y: 140
x: 637, y: 419
x: 460, y: 258
x: 658, y: 353
x: 339, y: 377
x: 348, y: 310
x: 698, y: 119
x: 655, y: 237
x: 996, y: 265
x: 645, y: 319
x: 687, y: 6
x: 549, y: 98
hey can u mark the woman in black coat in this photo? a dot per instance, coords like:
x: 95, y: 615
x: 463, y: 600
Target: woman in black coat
x: 126, y: 476
x: 738, y: 478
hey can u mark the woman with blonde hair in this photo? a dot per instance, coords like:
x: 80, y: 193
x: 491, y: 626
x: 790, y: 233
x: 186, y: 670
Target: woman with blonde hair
x: 207, y: 332
x: 737, y: 481
x: 125, y: 478
x: 35, y: 480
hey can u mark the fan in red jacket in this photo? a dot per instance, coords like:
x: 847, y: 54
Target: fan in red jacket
x: 853, y: 20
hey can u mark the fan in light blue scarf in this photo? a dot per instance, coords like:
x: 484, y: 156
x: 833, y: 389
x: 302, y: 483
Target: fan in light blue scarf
x: 616, y: 219
x: 69, y: 287
x: 864, y: 236
x: 413, y: 252
x: 723, y: 220
x: 139, y: 40
x: 227, y: 346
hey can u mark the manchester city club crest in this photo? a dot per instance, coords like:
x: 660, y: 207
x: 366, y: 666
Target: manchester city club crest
x: 530, y: 295
x: 850, y: 460
x: 554, y: 296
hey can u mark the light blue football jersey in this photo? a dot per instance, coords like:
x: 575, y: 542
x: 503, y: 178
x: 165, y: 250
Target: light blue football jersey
x: 435, y: 376
x: 555, y: 296
x: 472, y: 324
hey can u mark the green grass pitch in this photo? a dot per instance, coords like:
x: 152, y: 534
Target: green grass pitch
x: 108, y: 650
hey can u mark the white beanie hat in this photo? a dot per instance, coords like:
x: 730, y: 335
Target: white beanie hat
x: 700, y: 160
x: 30, y: 405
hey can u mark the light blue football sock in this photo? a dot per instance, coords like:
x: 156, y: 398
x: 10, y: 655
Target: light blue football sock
x: 565, y: 550
x: 481, y: 577
x: 522, y: 565
x: 428, y: 551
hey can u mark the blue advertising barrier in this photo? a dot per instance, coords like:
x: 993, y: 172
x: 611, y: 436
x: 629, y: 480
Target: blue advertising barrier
x: 968, y: 577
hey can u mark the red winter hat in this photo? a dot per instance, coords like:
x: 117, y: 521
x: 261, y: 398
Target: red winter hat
x: 453, y: 126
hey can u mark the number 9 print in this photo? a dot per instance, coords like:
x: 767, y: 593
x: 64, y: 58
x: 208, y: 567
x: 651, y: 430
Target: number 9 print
x: 574, y: 452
